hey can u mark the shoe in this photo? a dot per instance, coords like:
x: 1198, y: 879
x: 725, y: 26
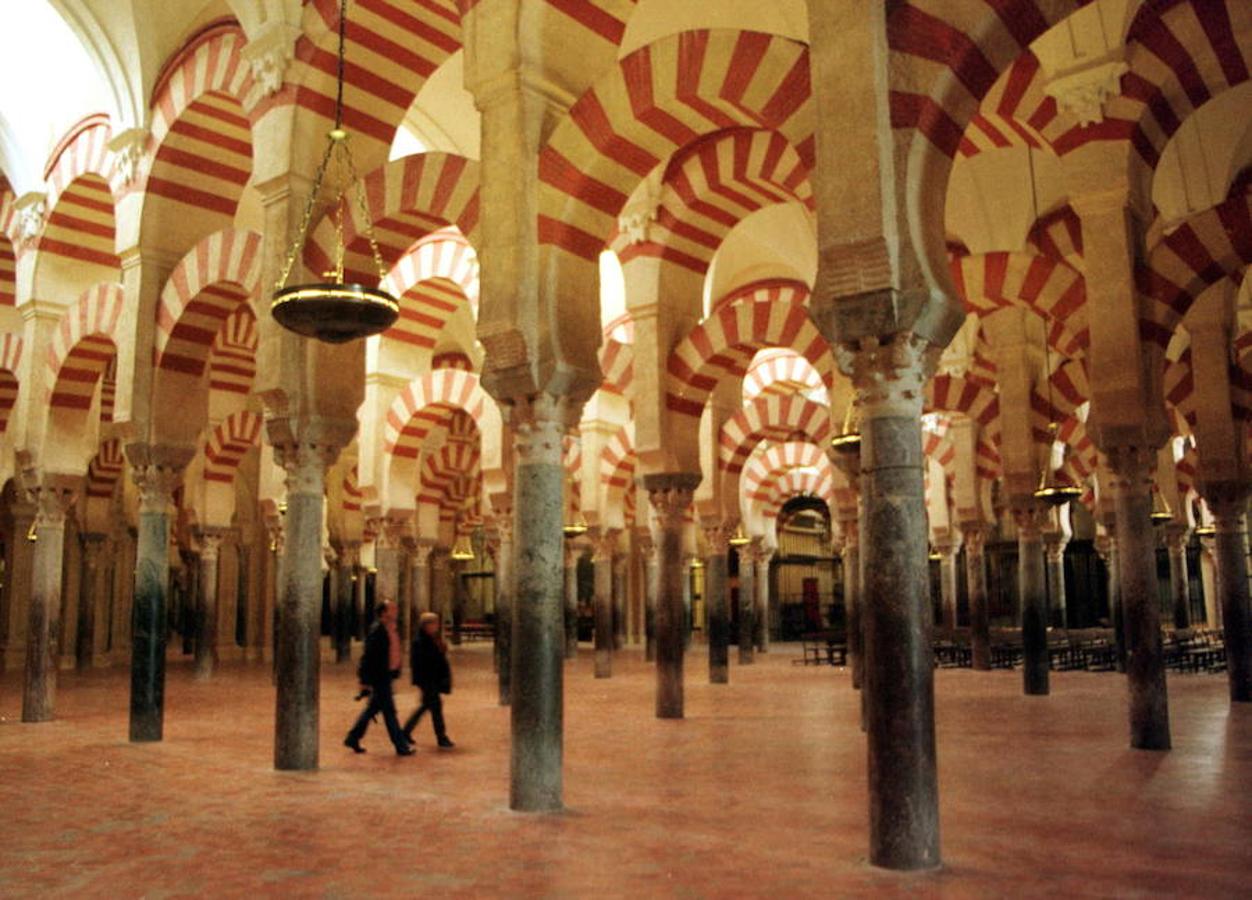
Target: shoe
x: 353, y: 745
x: 445, y: 744
x: 406, y: 750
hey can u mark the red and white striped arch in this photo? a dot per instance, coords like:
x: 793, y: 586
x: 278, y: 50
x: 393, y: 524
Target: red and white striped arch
x: 978, y: 401
x: 799, y: 484
x: 425, y: 404
x: 1016, y: 112
x: 408, y: 199
x: 712, y: 185
x: 436, y: 277
x: 81, y: 222
x: 1058, y: 234
x: 201, y: 132
x: 937, y: 445
x: 617, y: 364
x: 227, y: 444
x: 1178, y: 386
x: 206, y: 288
x: 393, y: 46
x: 768, y: 464
x: 657, y: 100
x: 352, y: 493
x: 617, y: 464
x: 10, y: 361
x: 105, y: 469
x: 1048, y: 286
x: 232, y: 356
x: 779, y: 371
x: 723, y: 345
x: 83, y: 344
x: 774, y: 290
x: 1208, y: 247
x: 779, y: 419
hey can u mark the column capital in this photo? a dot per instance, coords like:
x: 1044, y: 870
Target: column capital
x: 1054, y: 546
x: 603, y: 545
x: 349, y: 553
x: 974, y: 536
x: 1030, y: 516
x: 1176, y: 537
x: 1228, y: 500
x: 1105, y: 545
x: 157, y: 470
x: 306, y: 464
x: 718, y: 538
x: 1131, y: 465
x: 540, y: 423
x: 209, y: 542
x: 889, y: 374
x: 95, y: 545
x: 670, y: 495
x: 52, y: 496
x: 421, y: 555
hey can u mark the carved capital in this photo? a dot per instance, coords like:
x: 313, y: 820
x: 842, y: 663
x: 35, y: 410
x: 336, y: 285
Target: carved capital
x: 974, y: 536
x: 1131, y: 465
x: 306, y: 464
x: 129, y: 154
x: 539, y: 424
x: 670, y: 496
x: 718, y: 538
x: 157, y: 471
x: 889, y: 376
x: 640, y: 212
x: 1030, y: 517
x: 1083, y: 91
x: 603, y: 545
x: 269, y: 53
x: 52, y: 498
x: 1176, y: 538
x: 32, y: 213
x: 209, y: 542
x: 1054, y: 547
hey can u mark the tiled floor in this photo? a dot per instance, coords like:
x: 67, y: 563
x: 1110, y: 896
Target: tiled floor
x: 760, y: 791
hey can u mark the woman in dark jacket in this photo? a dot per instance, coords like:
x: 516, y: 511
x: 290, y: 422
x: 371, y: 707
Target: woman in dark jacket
x: 428, y: 661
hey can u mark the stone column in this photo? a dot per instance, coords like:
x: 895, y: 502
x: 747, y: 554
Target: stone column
x: 92, y: 595
x: 504, y: 606
x: 947, y: 550
x: 299, y: 625
x: 1208, y: 581
x: 387, y: 562
x: 1232, y: 580
x: 421, y: 578
x: 1136, y: 550
x: 1054, y: 554
x: 536, y: 713
x: 688, y: 622
x: 210, y: 543
x: 716, y: 613
x: 670, y: 495
x: 345, y: 590
x: 747, y: 602
x: 760, y: 609
x: 458, y: 598
x: 1031, y: 517
x: 619, y: 600
x: 602, y: 602
x: 52, y: 497
x: 853, y: 599
x: 570, y: 615
x: 1177, y: 536
x: 358, y: 598
x: 1106, y: 547
x: 975, y: 539
x: 889, y: 379
x: 19, y: 554
x: 651, y: 589
x: 157, y: 472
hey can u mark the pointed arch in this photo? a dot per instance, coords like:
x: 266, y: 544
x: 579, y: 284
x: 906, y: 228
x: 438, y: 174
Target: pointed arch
x: 227, y: 443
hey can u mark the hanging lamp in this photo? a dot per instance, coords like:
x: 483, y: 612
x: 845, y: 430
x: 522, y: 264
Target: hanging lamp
x: 1161, y: 513
x: 1204, y: 531
x: 576, y: 528
x: 848, y: 440
x: 739, y: 538
x: 332, y: 310
x: 461, y: 549
x: 1052, y: 490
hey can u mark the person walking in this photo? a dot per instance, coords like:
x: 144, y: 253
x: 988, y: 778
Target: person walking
x: 428, y: 665
x: 379, y: 667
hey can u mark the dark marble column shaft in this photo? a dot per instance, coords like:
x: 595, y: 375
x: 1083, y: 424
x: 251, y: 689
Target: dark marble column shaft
x: 1176, y: 539
x: 619, y: 600
x: 91, y: 595
x: 1232, y: 565
x: 896, y: 617
x: 210, y: 542
x: 570, y: 600
x: 854, y: 600
x: 670, y: 495
x: 459, y: 599
x: 1136, y: 551
x: 156, y: 474
x: 975, y: 538
x: 716, y: 613
x: 651, y: 589
x: 947, y: 582
x: 345, y: 591
x: 539, y: 638
x: 1054, y: 555
x: 504, y: 606
x: 747, y: 602
x: 300, y: 600
x: 1033, y: 590
x: 602, y: 602
x: 761, y: 611
x: 43, y: 629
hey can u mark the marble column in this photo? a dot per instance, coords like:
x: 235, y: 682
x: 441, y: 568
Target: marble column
x: 157, y: 471
x: 19, y: 555
x: 459, y: 598
x: 358, y: 599
x: 421, y: 578
x: 620, y: 561
x: 52, y: 498
x: 300, y: 599
x: 853, y: 599
x: 570, y: 614
x: 1208, y: 582
x: 1136, y: 550
x: 345, y: 589
x: 1054, y: 556
x: 688, y: 623
x: 670, y: 496
x: 1106, y: 547
x: 387, y: 561
x: 1232, y: 580
x: 651, y: 590
x: 1177, y: 537
x: 716, y: 613
x: 91, y: 600
x: 536, y: 711
x: 974, y: 536
x: 761, y: 609
x: 504, y: 607
x: 1031, y: 517
x: 602, y: 601
x: 898, y: 686
x: 747, y: 602
x: 947, y: 550
x: 210, y: 543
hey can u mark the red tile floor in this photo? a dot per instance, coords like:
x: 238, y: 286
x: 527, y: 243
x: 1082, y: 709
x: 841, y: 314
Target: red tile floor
x: 760, y: 791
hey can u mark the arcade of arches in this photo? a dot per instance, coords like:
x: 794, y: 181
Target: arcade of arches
x: 644, y: 289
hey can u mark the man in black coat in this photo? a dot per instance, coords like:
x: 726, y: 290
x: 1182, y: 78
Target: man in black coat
x: 380, y: 666
x: 428, y: 663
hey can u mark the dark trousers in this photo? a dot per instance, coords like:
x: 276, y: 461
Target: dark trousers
x: 382, y: 700
x: 432, y: 701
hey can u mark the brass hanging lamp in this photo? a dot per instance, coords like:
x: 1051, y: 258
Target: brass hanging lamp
x: 848, y: 440
x: 576, y: 528
x: 1161, y: 513
x: 462, y: 551
x: 332, y: 310
x: 739, y: 538
x: 1053, y: 490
